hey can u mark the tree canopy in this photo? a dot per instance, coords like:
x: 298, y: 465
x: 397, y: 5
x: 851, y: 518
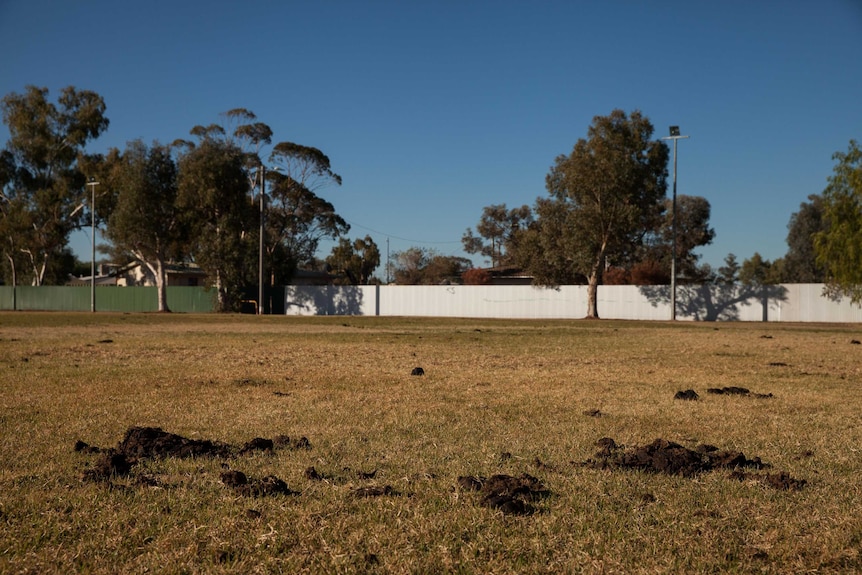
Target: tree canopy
x: 800, y: 262
x: 146, y: 222
x: 839, y: 245
x: 212, y: 191
x: 43, y: 195
x: 357, y: 260
x: 605, y: 197
x: 423, y: 266
x: 497, y: 229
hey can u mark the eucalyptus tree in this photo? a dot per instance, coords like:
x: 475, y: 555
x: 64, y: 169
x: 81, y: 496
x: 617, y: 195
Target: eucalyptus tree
x: 212, y: 192
x: 43, y: 194
x: 800, y: 261
x: 692, y: 230
x: 839, y: 245
x: 424, y: 266
x: 496, y: 229
x: 605, y: 197
x: 357, y: 259
x: 146, y: 222
x: 298, y: 218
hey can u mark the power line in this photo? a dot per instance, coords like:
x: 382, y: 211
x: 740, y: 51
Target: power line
x: 398, y: 237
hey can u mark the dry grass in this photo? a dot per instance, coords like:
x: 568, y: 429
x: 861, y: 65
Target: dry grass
x: 496, y: 397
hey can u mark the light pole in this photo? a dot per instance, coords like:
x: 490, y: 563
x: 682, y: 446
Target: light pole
x: 260, y: 255
x: 93, y: 183
x: 674, y: 135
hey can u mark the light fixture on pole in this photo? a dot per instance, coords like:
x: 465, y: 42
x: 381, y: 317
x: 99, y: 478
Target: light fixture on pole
x: 93, y: 183
x: 674, y: 135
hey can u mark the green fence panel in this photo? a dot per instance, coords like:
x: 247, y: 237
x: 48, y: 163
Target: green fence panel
x: 192, y: 299
x: 53, y: 298
x: 7, y: 298
x: 108, y: 299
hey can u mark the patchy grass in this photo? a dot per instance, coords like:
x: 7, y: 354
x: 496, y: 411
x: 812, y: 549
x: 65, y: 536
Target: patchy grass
x: 388, y: 448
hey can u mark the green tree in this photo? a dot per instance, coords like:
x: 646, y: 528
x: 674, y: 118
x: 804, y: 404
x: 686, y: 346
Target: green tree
x: 606, y: 196
x: 839, y: 245
x: 728, y: 274
x: 357, y: 259
x: 423, y: 266
x: 43, y: 192
x: 496, y: 229
x: 800, y: 262
x: 146, y: 222
x: 756, y: 271
x: 692, y: 231
x: 212, y: 190
x: 297, y: 217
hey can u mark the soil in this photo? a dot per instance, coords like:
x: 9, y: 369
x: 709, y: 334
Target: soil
x: 506, y: 493
x: 140, y: 443
x: 346, y: 474
x: 269, y: 485
x: 362, y: 492
x: 738, y: 391
x: 663, y: 456
x: 511, y: 495
x: 152, y: 443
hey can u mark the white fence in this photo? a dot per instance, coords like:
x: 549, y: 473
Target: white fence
x: 788, y: 303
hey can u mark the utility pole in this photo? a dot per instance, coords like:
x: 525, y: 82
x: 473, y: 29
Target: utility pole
x: 674, y: 135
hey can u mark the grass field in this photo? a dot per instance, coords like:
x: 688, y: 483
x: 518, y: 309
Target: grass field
x: 388, y: 447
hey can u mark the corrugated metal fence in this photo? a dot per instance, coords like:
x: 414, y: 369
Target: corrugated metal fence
x: 116, y: 299
x: 789, y: 302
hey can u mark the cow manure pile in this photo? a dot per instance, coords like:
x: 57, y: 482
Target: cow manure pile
x: 506, y: 493
x: 242, y: 485
x: 663, y: 456
x: 142, y: 443
x: 691, y: 395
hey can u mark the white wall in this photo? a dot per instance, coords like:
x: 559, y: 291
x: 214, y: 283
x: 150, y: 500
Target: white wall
x: 791, y: 302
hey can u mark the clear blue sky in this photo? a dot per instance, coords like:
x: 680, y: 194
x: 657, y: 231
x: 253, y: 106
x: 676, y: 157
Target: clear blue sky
x: 432, y: 110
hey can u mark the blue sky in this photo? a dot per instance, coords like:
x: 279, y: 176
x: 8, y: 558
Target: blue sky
x: 431, y: 111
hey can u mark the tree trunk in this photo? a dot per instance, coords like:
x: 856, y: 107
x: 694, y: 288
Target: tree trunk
x: 593, y: 285
x: 161, y: 286
x: 592, y: 296
x: 14, y: 283
x: 158, y: 271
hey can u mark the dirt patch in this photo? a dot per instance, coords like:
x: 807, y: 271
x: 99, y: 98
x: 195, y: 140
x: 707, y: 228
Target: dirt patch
x: 373, y: 491
x: 728, y: 390
x: 509, y: 494
x: 242, y: 485
x: 109, y: 464
x: 344, y: 476
x: 663, y: 456
x: 141, y: 443
x: 737, y: 391
x: 286, y: 442
x: 153, y: 443
x: 781, y: 480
